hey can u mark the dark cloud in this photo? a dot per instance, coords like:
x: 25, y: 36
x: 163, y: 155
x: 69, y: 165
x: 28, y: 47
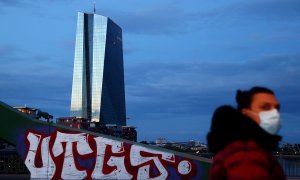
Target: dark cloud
x: 48, y: 92
x: 270, y: 10
x: 11, y: 2
x: 25, y: 4
x: 35, y: 80
x: 207, y: 76
x: 170, y: 19
x: 155, y: 20
x: 6, y: 51
x: 164, y: 19
x: 18, y: 3
x: 182, y: 91
x: 40, y: 89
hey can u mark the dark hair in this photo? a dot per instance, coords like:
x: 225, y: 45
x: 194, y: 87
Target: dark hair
x: 244, y: 98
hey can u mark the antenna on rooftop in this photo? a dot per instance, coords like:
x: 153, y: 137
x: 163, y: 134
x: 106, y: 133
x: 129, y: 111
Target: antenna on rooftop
x: 94, y: 7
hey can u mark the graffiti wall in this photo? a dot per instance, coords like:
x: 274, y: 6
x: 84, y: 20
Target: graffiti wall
x: 50, y: 151
x: 63, y: 155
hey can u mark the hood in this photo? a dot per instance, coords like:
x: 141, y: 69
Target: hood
x: 229, y: 125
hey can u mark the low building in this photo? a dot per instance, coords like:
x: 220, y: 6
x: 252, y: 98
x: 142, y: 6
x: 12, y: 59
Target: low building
x: 124, y: 132
x: 129, y: 132
x: 34, y: 113
x: 74, y: 122
x: 160, y: 141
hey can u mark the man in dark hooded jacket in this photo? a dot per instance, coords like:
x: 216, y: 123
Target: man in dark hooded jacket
x: 243, y: 139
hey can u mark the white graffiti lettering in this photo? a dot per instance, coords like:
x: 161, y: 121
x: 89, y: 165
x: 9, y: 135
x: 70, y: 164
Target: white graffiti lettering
x: 83, y: 156
x: 137, y: 159
x: 48, y: 168
x: 117, y: 147
x: 69, y: 170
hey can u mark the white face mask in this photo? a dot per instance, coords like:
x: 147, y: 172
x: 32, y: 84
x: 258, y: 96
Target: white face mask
x: 270, y: 121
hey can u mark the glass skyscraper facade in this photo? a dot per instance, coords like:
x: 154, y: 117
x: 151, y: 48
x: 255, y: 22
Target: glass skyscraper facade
x: 98, y: 91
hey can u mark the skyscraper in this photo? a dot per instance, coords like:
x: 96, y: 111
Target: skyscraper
x: 98, y: 91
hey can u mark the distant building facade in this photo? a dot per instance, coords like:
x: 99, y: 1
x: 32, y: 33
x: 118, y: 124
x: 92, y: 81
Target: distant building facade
x: 161, y: 141
x: 98, y: 91
x: 80, y: 123
x: 124, y: 132
x: 34, y: 113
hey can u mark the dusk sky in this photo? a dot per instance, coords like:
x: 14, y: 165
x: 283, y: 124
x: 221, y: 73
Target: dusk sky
x: 182, y: 59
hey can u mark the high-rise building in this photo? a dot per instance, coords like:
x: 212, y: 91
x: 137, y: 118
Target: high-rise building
x: 98, y: 91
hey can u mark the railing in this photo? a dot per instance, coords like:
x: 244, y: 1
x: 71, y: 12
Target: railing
x: 290, y: 165
x: 11, y: 163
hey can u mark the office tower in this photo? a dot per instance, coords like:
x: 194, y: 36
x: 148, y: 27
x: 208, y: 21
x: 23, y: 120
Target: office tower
x: 98, y: 91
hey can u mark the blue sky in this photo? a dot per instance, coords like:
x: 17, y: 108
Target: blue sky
x: 182, y: 59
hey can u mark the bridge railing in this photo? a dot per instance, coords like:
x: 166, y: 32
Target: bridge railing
x: 290, y: 165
